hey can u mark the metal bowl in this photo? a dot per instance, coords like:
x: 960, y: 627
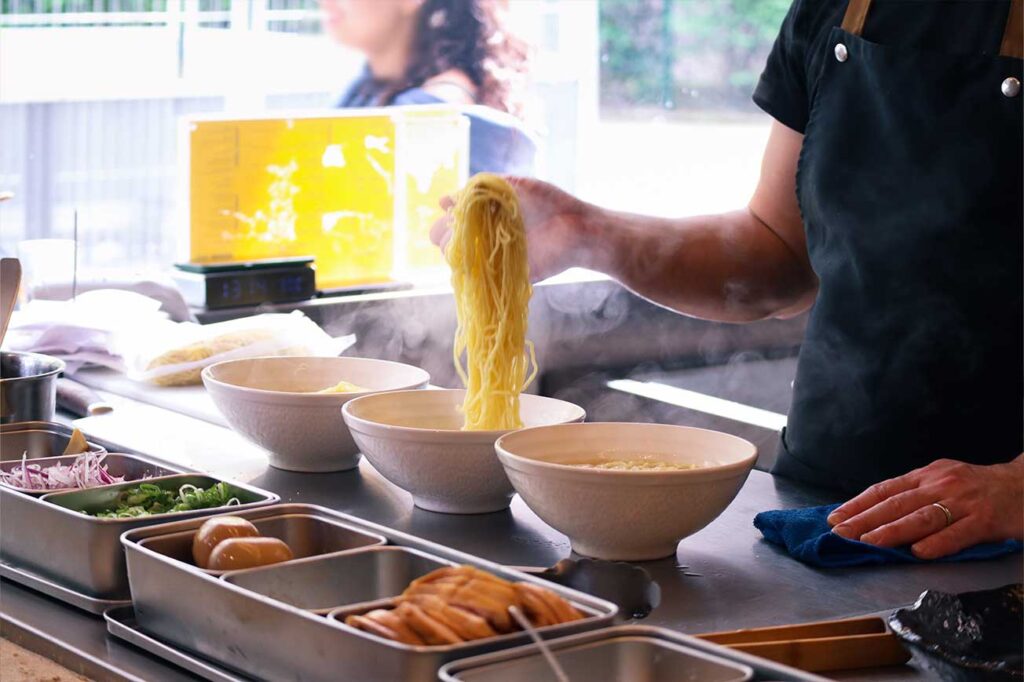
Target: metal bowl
x: 28, y: 386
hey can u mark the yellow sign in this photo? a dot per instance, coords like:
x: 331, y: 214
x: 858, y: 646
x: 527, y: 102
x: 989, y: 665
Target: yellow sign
x: 358, y: 190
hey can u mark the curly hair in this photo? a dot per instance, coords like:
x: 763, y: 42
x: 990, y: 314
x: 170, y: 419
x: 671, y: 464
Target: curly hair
x: 468, y: 35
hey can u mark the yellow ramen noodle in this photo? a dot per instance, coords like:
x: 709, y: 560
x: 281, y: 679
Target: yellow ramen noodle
x: 636, y: 465
x: 342, y: 387
x: 203, y: 350
x: 491, y: 278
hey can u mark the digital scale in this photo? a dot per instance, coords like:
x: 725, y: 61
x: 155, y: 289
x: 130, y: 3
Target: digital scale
x: 228, y: 285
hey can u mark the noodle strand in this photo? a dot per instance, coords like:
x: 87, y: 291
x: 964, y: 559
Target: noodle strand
x: 491, y: 279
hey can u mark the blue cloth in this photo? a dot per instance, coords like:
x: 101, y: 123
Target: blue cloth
x: 807, y: 537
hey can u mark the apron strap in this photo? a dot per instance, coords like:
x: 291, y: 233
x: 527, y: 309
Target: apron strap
x: 1013, y: 38
x: 856, y: 13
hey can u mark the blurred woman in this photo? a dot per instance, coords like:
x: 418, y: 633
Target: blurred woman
x: 436, y: 51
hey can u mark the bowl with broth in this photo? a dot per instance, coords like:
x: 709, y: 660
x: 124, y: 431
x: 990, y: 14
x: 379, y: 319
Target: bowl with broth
x: 415, y: 440
x: 290, y: 406
x: 624, y: 491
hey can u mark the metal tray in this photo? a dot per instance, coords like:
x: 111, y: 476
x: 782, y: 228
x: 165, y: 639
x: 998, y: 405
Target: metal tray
x: 121, y: 623
x: 611, y: 659
x: 601, y: 656
x: 53, y: 589
x: 36, y: 439
x: 322, y: 584
x: 305, y: 534
x: 131, y: 467
x: 50, y: 537
x: 263, y: 637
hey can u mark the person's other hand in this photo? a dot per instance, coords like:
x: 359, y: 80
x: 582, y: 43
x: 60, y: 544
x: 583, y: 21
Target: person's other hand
x: 986, y: 503
x: 552, y: 219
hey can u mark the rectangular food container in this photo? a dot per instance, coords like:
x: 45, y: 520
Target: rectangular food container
x: 270, y: 639
x: 131, y: 467
x: 620, y: 654
x: 307, y: 535
x: 51, y: 536
x: 610, y: 659
x: 35, y: 440
x: 322, y: 584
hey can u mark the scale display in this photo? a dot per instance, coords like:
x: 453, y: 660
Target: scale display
x: 227, y: 285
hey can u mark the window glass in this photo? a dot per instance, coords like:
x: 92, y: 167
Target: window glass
x: 641, y: 105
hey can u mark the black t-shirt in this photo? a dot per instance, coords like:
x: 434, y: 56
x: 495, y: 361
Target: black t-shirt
x: 786, y: 87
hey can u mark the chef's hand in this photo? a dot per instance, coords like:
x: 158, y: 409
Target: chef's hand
x: 986, y: 503
x: 552, y: 218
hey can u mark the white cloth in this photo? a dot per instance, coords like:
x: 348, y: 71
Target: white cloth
x: 83, y: 331
x: 156, y: 287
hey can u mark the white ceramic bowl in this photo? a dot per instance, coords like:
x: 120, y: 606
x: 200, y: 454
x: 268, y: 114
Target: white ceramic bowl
x: 271, y: 402
x: 415, y: 440
x: 625, y: 515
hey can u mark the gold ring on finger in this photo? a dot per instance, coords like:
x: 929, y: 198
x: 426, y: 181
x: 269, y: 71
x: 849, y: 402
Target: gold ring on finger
x: 945, y: 511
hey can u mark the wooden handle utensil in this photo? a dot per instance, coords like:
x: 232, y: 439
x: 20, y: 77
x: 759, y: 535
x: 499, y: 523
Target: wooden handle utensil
x: 821, y: 646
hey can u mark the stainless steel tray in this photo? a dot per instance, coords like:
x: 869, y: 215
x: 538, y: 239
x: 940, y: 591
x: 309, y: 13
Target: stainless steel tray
x: 36, y: 439
x: 259, y: 636
x: 121, y: 623
x: 307, y: 536
x: 53, y: 589
x: 609, y: 658
x: 600, y: 655
x: 132, y: 467
x: 52, y: 538
x: 322, y: 584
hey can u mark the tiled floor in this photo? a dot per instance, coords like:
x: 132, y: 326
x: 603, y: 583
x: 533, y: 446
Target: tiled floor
x: 20, y: 665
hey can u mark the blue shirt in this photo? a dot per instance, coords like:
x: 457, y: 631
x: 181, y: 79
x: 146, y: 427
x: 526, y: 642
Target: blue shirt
x: 498, y: 142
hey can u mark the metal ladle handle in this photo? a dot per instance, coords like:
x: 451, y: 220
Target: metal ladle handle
x: 545, y: 650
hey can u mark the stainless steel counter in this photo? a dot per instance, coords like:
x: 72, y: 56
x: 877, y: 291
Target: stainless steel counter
x: 744, y: 582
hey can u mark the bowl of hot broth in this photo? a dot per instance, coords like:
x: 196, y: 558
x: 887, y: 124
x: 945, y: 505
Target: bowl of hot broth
x: 625, y: 491
x: 290, y: 406
x: 418, y: 441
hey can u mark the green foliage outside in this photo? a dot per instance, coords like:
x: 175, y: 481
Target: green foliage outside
x: 686, y: 55
x: 689, y: 55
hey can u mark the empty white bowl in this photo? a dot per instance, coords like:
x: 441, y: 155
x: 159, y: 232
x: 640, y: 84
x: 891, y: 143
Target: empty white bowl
x: 272, y: 402
x: 625, y: 515
x: 415, y: 440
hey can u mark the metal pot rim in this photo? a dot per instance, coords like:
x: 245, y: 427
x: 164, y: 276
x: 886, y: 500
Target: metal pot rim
x: 60, y: 365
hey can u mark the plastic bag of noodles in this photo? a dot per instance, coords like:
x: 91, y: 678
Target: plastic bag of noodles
x: 175, y: 354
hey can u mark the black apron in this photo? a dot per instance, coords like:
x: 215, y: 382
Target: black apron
x: 910, y: 183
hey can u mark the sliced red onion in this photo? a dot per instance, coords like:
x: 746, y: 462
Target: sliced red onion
x: 85, y: 471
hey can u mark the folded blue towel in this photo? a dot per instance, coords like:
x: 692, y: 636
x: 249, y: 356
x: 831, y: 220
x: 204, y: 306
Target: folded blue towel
x: 807, y: 537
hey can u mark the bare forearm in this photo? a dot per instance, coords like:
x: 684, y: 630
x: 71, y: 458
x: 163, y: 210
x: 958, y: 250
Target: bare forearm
x: 729, y: 267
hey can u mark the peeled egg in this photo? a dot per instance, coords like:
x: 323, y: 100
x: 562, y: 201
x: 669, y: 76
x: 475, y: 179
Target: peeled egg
x: 236, y: 553
x: 215, y: 531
